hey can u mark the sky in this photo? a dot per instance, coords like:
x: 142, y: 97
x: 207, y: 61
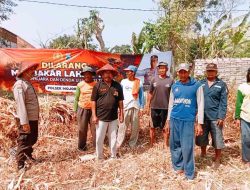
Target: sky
x: 38, y: 23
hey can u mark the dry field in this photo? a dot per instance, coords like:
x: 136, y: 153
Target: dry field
x: 62, y: 166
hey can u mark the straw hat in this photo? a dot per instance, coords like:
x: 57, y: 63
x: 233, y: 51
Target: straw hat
x: 107, y: 67
x: 23, y: 67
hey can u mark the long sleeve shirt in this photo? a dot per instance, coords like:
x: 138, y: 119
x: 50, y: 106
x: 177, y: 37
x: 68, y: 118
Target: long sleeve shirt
x: 186, y: 100
x: 83, y: 95
x: 215, y: 98
x: 26, y: 101
x: 243, y: 102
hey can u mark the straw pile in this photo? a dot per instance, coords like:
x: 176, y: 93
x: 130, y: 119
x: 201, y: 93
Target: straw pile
x: 62, y: 166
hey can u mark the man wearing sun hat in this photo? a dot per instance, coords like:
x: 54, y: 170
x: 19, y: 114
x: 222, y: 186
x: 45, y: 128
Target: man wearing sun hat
x: 186, y: 100
x: 107, y: 97
x: 215, y: 95
x: 27, y: 113
x: 82, y: 107
x: 133, y: 102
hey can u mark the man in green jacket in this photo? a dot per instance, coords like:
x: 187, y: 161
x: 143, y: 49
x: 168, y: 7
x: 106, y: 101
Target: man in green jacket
x: 242, y: 117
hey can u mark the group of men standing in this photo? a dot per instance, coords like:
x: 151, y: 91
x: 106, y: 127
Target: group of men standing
x: 176, y: 108
x: 182, y: 110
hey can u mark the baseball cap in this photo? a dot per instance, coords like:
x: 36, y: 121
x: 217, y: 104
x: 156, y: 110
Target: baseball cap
x: 131, y: 68
x: 211, y: 67
x: 183, y: 66
x: 162, y: 64
x: 88, y: 69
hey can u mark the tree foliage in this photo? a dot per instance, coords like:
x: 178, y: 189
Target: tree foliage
x: 6, y: 9
x: 187, y: 28
x: 69, y: 42
x: 83, y: 37
x: 123, y: 49
x: 227, y: 38
x: 87, y: 27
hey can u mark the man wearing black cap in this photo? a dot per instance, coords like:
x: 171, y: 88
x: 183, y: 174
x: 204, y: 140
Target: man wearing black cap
x: 215, y: 109
x: 83, y: 107
x: 27, y: 113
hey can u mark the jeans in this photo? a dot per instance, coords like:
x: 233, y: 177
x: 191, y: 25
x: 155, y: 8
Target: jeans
x: 182, y: 146
x: 245, y: 140
x: 216, y: 134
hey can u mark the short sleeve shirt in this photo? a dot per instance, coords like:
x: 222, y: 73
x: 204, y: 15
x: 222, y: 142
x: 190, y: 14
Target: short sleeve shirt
x: 160, y: 90
x: 107, y: 100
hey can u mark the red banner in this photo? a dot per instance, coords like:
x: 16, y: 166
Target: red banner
x: 59, y: 70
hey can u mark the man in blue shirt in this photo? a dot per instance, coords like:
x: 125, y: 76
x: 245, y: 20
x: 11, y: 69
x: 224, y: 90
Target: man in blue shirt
x: 215, y: 95
x: 185, y: 102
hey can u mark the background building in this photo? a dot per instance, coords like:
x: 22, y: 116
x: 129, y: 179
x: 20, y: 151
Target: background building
x: 11, y: 40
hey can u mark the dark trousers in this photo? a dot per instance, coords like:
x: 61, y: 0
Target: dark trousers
x: 159, y: 117
x: 84, y: 121
x: 25, y: 142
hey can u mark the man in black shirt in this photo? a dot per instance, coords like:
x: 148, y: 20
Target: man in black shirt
x: 107, y: 97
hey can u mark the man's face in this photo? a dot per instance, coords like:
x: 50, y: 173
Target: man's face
x: 129, y: 74
x: 162, y: 70
x: 154, y: 62
x: 183, y: 75
x: 107, y: 76
x: 88, y: 77
x: 211, y: 74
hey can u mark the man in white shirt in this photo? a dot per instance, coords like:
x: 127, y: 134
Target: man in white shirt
x: 133, y: 102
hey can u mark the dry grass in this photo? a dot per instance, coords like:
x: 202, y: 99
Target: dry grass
x: 62, y: 165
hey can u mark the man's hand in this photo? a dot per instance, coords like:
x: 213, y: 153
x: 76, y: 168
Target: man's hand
x: 167, y: 128
x: 147, y: 110
x: 220, y: 123
x: 237, y: 123
x: 95, y: 119
x: 198, y: 130
x: 121, y: 117
x: 26, y: 128
x: 140, y: 112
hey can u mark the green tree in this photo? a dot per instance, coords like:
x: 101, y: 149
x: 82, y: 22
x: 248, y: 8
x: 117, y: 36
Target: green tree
x: 123, y: 49
x: 180, y: 25
x: 93, y: 25
x: 69, y: 42
x: 227, y: 38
